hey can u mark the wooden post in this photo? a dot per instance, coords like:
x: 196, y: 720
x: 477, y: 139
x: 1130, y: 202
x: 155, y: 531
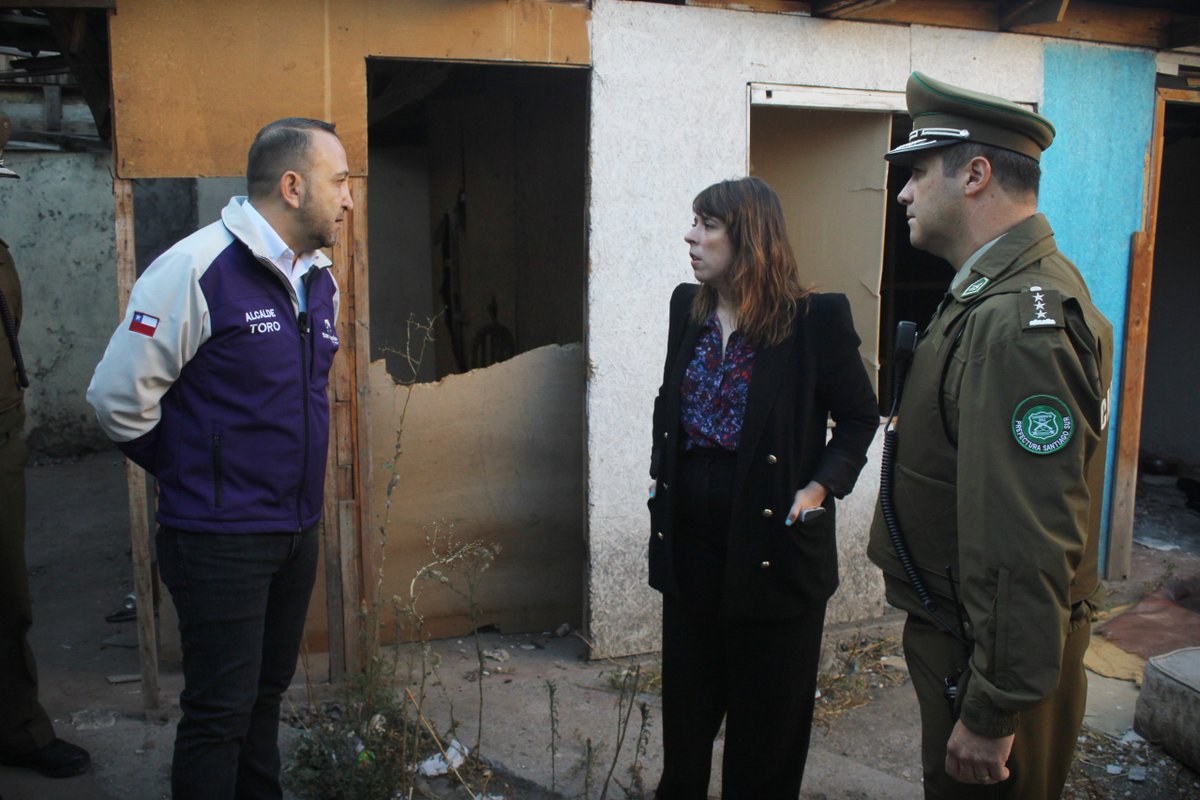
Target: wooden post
x: 139, y: 521
x: 347, y: 538
x: 359, y: 325
x: 1129, y: 433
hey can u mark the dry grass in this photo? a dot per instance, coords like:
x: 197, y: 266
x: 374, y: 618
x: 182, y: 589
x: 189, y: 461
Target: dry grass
x: 857, y: 671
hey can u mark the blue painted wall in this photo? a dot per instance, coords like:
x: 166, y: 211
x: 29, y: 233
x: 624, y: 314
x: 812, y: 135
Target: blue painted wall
x: 1101, y: 101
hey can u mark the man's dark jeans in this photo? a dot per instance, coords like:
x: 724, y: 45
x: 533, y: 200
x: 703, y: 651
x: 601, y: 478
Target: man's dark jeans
x: 242, y: 600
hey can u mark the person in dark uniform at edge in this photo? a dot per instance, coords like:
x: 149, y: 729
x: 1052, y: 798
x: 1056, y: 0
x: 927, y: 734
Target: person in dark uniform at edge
x: 998, y: 465
x: 742, y: 543
x: 26, y: 734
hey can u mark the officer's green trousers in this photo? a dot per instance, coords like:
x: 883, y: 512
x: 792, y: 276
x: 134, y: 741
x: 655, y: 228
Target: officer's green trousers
x: 1045, y: 739
x: 24, y: 725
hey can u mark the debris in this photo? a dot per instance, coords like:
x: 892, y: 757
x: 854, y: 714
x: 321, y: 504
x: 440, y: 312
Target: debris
x: 126, y: 611
x: 437, y: 764
x: 563, y: 630
x: 499, y: 654
x: 91, y: 720
x: 528, y: 647
x: 1137, y: 774
x: 1114, y: 769
x: 1131, y: 738
x: 128, y: 677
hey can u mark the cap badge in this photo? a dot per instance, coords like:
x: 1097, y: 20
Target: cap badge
x: 939, y: 133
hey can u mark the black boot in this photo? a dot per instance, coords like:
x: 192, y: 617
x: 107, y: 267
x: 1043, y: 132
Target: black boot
x: 58, y: 759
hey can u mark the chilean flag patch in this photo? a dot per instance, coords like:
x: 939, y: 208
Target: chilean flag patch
x: 143, y: 323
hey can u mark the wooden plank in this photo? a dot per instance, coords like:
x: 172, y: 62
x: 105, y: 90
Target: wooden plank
x: 1099, y: 22
x: 1088, y: 21
x: 1129, y: 431
x: 1183, y: 33
x: 234, y: 82
x: 769, y: 6
x: 72, y: 4
x: 343, y: 440
x: 1030, y: 12
x: 360, y: 334
x: 846, y: 8
x: 332, y: 553
x: 135, y: 477
x: 352, y: 601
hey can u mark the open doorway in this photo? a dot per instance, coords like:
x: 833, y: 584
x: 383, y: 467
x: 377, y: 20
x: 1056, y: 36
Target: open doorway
x: 826, y: 165
x: 477, y: 232
x: 1167, y: 506
x: 839, y: 200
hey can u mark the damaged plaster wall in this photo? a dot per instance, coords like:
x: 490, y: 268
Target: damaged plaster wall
x: 670, y: 116
x: 495, y: 455
x: 58, y: 222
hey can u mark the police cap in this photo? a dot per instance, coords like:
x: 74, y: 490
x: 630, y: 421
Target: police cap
x: 944, y: 115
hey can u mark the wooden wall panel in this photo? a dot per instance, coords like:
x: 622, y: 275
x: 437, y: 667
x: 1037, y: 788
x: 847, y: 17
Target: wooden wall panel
x: 193, y: 82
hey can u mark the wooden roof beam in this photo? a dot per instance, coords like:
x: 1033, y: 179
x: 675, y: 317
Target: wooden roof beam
x: 1031, y: 12
x: 841, y: 9
x: 1183, y: 33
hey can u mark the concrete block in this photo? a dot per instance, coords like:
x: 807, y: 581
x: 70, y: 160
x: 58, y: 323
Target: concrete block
x: 1168, y: 708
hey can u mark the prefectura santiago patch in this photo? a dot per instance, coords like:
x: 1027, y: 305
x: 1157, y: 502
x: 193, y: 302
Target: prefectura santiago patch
x: 1042, y: 424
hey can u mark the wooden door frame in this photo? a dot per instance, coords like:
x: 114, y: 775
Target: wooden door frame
x: 1137, y: 329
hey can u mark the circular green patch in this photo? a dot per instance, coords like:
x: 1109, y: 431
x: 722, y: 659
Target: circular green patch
x: 1042, y: 424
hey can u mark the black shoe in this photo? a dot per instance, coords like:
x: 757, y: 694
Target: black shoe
x: 58, y: 759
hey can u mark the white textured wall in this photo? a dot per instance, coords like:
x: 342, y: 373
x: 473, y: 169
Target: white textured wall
x: 670, y: 116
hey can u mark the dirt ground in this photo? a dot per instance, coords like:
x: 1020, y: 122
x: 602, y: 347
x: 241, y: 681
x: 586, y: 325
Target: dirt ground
x: 864, y: 746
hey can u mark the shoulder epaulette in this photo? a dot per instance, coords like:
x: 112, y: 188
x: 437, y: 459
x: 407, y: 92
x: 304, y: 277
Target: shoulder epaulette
x: 1040, y: 308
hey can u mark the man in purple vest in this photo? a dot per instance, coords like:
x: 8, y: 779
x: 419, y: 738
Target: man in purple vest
x: 215, y: 383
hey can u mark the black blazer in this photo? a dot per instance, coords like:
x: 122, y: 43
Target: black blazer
x: 772, y: 570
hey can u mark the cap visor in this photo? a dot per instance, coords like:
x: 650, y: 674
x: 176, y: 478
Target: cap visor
x: 907, y: 153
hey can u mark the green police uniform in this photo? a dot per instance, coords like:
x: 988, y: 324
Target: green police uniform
x: 24, y: 725
x: 997, y: 486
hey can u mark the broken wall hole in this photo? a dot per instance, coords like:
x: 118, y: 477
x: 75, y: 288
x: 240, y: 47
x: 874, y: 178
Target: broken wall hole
x: 478, y: 192
x: 477, y: 221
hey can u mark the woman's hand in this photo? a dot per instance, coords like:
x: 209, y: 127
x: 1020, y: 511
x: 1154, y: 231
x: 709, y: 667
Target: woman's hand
x: 810, y: 496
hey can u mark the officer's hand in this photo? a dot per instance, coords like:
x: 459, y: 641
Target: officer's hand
x: 810, y: 496
x: 971, y: 758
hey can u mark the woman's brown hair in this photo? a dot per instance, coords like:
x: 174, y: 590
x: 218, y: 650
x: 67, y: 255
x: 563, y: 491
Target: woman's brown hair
x: 764, y: 276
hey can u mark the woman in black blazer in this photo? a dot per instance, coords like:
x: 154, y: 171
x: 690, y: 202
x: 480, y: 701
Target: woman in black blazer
x: 742, y: 539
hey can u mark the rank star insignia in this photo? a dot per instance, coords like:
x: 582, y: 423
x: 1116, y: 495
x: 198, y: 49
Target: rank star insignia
x: 1043, y: 309
x: 1042, y: 424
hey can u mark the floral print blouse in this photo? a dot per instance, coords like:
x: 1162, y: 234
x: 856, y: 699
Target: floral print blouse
x: 714, y: 389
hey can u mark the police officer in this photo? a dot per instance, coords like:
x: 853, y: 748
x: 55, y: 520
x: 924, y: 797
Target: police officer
x: 998, y: 465
x: 26, y: 734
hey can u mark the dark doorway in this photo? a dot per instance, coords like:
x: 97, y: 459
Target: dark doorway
x: 1167, y: 509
